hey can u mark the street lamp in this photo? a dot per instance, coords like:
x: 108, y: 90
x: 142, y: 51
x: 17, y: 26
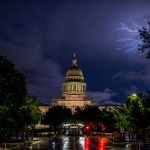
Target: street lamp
x: 134, y: 94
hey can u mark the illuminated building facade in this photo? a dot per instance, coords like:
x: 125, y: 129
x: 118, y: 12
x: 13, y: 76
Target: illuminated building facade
x: 73, y: 89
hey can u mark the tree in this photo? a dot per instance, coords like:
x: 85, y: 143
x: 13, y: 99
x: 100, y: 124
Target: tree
x: 139, y: 105
x: 30, y: 114
x: 12, y: 93
x: 18, y: 109
x: 145, y: 37
x: 12, y: 84
x: 99, y: 120
x: 135, y: 114
x: 6, y: 122
x: 88, y: 114
x: 123, y: 120
x: 57, y: 115
x: 107, y: 115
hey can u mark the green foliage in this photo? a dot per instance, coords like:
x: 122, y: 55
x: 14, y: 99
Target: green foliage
x: 139, y: 108
x: 30, y: 112
x: 123, y: 119
x: 135, y: 113
x: 5, y: 120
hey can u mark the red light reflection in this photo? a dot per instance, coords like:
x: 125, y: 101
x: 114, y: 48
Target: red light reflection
x: 102, y: 143
x: 87, y: 143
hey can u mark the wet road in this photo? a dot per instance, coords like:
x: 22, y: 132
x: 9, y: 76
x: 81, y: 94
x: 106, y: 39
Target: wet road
x: 76, y: 143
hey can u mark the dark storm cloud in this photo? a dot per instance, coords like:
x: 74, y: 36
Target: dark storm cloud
x: 102, y: 96
x: 40, y: 37
x: 141, y: 75
x: 43, y: 75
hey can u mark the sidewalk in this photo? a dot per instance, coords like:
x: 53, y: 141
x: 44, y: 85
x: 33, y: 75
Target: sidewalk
x: 27, y: 144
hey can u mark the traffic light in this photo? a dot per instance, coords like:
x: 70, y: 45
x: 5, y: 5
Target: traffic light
x: 88, y: 127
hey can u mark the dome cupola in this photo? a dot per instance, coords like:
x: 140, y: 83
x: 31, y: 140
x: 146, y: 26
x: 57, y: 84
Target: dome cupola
x: 74, y: 81
x: 74, y: 73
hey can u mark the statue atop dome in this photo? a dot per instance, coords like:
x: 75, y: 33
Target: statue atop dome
x: 74, y: 60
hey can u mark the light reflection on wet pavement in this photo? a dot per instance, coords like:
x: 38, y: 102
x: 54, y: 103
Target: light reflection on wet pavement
x: 75, y: 143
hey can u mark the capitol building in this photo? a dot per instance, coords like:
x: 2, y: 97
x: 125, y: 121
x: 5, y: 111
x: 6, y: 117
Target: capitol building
x: 73, y: 89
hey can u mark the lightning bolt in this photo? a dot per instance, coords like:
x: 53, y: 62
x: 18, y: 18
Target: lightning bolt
x: 131, y: 42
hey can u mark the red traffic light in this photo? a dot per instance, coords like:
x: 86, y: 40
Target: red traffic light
x: 88, y: 127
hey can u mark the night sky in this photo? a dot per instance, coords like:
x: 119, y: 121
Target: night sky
x: 40, y: 38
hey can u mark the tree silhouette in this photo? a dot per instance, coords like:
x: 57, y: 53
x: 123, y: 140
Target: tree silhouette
x: 145, y: 37
x: 57, y: 115
x: 18, y: 109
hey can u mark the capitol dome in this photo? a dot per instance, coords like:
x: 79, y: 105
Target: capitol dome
x: 74, y: 81
x: 74, y: 73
